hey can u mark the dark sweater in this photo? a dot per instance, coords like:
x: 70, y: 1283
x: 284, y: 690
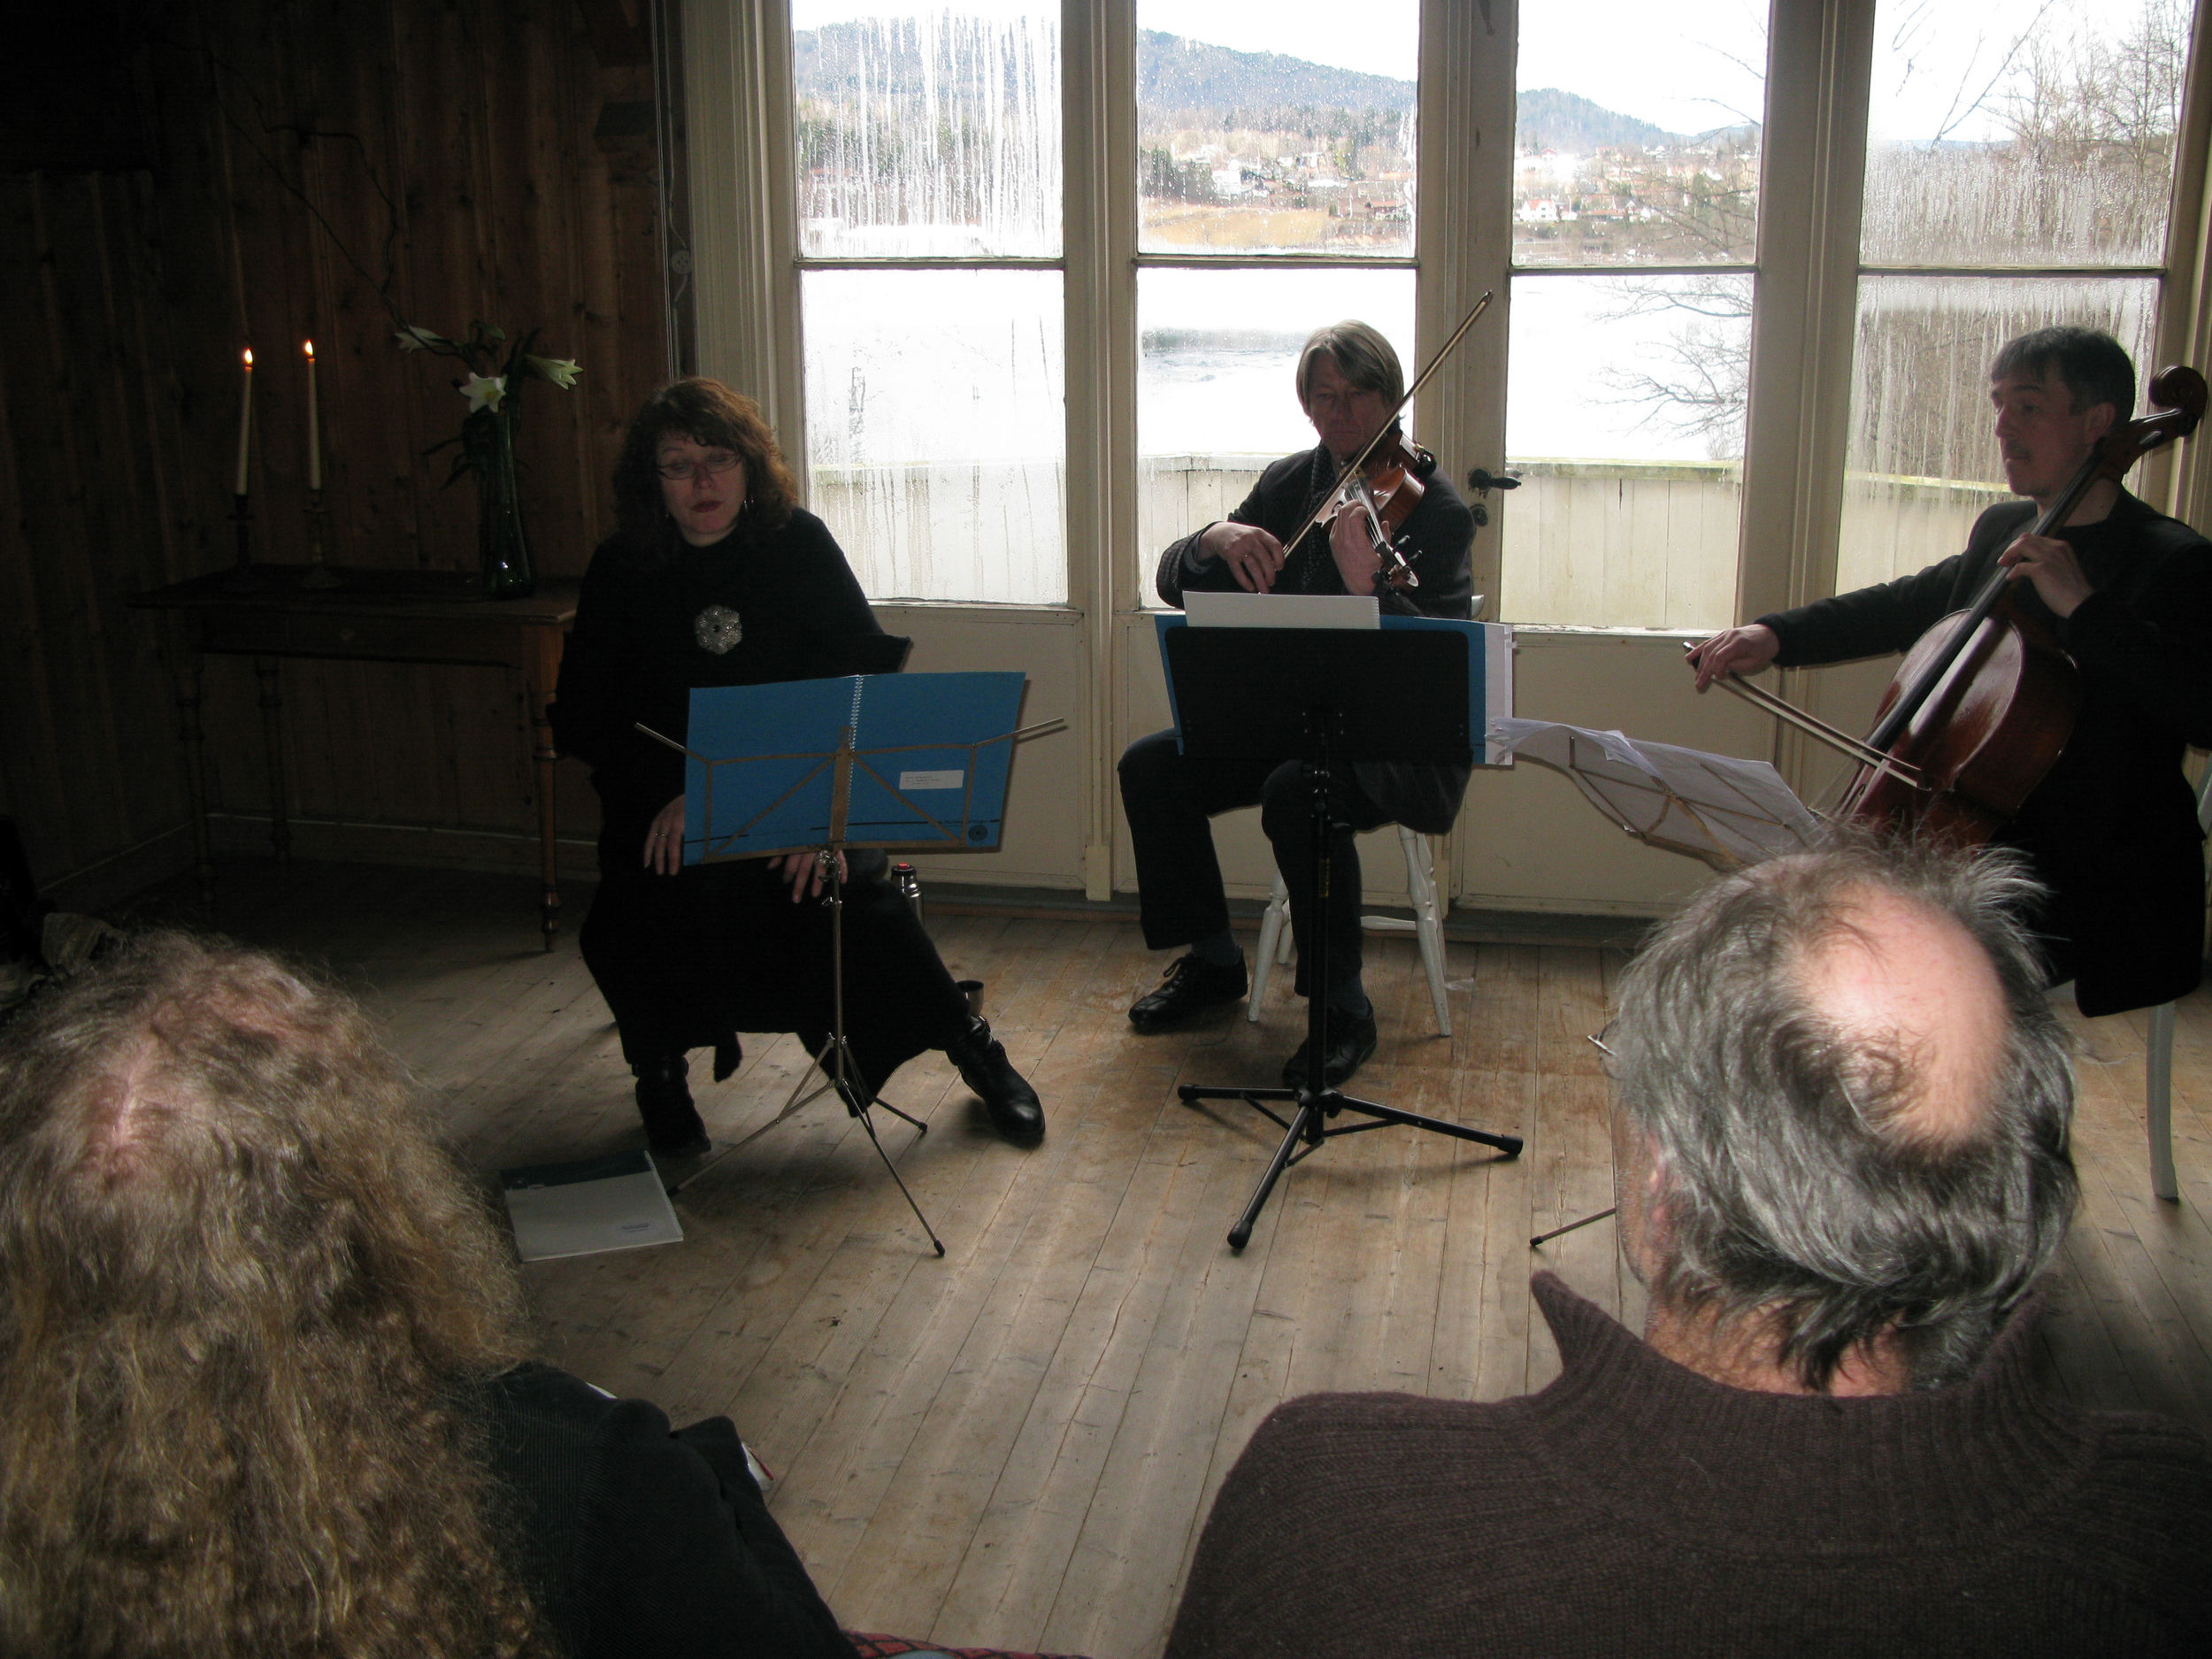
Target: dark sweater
x: 2112, y: 827
x: 1634, y: 1507
x: 635, y: 653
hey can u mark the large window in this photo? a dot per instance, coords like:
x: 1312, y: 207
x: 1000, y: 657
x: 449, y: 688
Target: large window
x: 1635, y: 217
x: 2018, y: 171
x: 998, y: 277
x: 928, y: 151
x: 1275, y: 195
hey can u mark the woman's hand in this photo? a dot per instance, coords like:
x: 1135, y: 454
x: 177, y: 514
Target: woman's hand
x: 665, y: 841
x: 804, y: 871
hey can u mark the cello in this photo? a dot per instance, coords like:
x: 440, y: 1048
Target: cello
x: 1985, y: 701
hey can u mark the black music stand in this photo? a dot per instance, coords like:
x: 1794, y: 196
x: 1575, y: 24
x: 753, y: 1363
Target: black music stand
x: 1329, y: 696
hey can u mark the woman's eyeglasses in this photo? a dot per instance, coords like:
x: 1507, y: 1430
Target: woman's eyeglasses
x: 713, y: 466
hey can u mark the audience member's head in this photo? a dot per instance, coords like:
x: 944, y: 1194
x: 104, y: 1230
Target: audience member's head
x: 241, y: 1299
x: 1843, y: 1105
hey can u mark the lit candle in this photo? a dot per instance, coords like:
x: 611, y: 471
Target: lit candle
x: 245, y: 421
x: 314, y: 441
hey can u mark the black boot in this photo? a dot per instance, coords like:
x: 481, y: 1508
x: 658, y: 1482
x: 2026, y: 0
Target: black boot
x: 984, y: 1067
x: 673, y: 1128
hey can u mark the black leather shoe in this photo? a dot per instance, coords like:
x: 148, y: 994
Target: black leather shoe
x: 1351, y: 1045
x: 673, y: 1128
x: 1006, y: 1094
x: 1191, y: 988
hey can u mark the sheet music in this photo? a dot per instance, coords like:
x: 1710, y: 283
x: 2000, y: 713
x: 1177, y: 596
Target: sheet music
x: 1282, y: 610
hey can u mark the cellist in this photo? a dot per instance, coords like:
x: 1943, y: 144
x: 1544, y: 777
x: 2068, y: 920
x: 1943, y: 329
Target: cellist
x: 1348, y: 380
x: 2127, y: 591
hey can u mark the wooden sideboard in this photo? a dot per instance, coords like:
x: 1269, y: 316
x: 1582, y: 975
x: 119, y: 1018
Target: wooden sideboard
x: 372, y: 615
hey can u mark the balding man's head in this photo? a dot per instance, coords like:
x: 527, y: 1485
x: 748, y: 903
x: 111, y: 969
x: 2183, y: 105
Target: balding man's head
x: 1856, y: 1100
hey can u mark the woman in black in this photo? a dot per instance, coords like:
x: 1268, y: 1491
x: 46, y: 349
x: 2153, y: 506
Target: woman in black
x: 717, y: 577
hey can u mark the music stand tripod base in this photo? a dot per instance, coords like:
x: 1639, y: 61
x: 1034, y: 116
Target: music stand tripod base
x: 840, y: 1072
x: 1321, y: 694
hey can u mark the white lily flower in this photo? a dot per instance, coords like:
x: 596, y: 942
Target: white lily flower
x: 561, y: 371
x: 412, y: 339
x: 484, y: 391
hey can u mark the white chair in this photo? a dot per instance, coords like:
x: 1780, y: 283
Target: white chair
x: 1427, y: 924
x: 2158, y: 1058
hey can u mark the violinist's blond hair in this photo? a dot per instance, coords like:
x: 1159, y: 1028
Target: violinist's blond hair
x: 1363, y: 356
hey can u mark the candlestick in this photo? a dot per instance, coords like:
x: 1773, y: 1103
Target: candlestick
x: 245, y: 421
x: 314, y: 436
x: 319, y: 576
x: 244, y: 578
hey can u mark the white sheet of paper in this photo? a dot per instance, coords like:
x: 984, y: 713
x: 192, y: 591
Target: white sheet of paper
x: 1282, y: 610
x: 1720, y: 807
x: 611, y: 1203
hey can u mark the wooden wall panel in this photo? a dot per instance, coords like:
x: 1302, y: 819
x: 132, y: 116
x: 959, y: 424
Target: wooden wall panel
x: 317, y: 172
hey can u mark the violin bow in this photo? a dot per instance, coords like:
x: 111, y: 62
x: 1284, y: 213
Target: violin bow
x: 1326, y: 510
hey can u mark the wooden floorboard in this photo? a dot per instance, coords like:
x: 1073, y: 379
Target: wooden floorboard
x: 1017, y: 1445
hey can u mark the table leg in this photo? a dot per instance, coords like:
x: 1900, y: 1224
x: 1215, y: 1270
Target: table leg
x: 545, y: 673
x: 187, y: 666
x: 267, y: 670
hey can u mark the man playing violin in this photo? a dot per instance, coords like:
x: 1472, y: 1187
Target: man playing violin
x: 2112, y: 828
x: 1349, y: 382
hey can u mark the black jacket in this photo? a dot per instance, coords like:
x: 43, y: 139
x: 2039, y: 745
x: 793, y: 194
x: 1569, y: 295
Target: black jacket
x: 2112, y: 828
x: 1435, y: 541
x: 638, y: 1539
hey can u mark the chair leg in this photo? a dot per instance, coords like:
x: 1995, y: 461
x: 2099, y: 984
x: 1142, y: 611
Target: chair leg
x: 1428, y: 920
x: 2158, y: 1069
x: 1274, y: 935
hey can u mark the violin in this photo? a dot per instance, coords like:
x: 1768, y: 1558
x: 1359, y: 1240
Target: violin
x: 1383, y: 494
x: 1985, y: 701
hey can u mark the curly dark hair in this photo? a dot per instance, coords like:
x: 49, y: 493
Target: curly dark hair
x: 714, y: 417
x: 243, y: 1298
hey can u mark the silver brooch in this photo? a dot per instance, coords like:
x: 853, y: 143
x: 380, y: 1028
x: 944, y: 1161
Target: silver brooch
x: 717, y: 628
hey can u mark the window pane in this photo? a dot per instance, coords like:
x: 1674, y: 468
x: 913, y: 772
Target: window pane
x: 1241, y: 149
x: 1625, y: 417
x: 936, y: 453
x: 1216, y: 382
x: 1922, y: 460
x: 933, y: 133
x: 1636, y: 133
x: 2022, y: 133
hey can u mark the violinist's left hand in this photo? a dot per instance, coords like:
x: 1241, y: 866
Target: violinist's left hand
x: 2051, y: 566
x: 1353, y: 547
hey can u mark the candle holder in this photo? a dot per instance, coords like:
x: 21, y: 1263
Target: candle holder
x: 320, y: 577
x: 244, y: 577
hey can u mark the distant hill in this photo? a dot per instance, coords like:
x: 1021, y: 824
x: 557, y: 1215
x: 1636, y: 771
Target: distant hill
x: 1549, y: 119
x: 1176, y: 74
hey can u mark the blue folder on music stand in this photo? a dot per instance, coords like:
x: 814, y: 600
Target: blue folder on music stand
x: 865, y: 760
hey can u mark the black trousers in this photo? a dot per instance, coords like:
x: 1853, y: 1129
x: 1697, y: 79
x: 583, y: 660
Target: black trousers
x: 1169, y: 799
x: 685, y: 960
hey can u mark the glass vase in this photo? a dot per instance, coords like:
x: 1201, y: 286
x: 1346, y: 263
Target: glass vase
x: 502, y: 550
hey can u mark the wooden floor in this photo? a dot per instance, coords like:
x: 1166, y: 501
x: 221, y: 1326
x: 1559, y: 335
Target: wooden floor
x: 1016, y: 1445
